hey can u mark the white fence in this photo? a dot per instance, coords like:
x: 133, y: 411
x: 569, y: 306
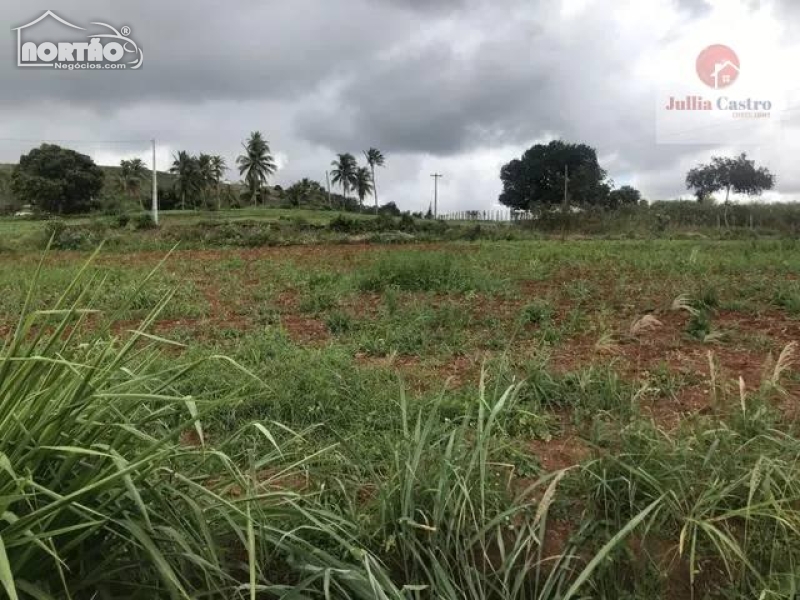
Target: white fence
x: 497, y: 215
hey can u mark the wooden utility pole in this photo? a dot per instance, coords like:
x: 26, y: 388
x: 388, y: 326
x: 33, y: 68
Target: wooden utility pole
x: 566, y: 188
x: 436, y: 177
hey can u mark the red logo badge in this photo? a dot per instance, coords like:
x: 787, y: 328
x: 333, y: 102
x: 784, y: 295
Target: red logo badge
x: 718, y: 66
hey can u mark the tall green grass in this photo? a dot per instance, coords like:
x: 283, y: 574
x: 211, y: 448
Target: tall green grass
x: 98, y: 496
x: 422, y: 272
x: 128, y: 472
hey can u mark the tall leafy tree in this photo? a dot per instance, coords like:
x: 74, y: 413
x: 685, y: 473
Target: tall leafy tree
x: 57, y: 180
x: 625, y: 196
x: 362, y: 184
x: 218, y: 169
x: 740, y: 175
x: 131, y: 174
x: 256, y: 164
x: 305, y: 191
x: 374, y: 158
x: 538, y: 179
x: 189, y: 180
x: 344, y: 172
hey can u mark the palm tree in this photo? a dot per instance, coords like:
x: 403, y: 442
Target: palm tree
x: 206, y: 175
x: 218, y: 168
x: 132, y: 173
x: 374, y: 158
x: 190, y: 177
x: 344, y: 172
x: 363, y: 184
x: 256, y: 164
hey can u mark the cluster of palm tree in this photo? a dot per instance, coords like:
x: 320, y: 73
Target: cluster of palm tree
x: 131, y: 175
x: 350, y: 176
x: 256, y: 164
x: 197, y: 176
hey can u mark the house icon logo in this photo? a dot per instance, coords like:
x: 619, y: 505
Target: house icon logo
x: 718, y: 66
x: 110, y: 48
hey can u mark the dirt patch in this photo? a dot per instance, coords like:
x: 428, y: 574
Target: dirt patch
x: 559, y: 454
x: 305, y: 330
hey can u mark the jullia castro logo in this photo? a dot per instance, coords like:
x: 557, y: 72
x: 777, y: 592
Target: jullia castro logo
x: 718, y: 67
x: 105, y: 50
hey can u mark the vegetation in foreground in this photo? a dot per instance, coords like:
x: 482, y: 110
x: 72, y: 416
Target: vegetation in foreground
x: 600, y: 445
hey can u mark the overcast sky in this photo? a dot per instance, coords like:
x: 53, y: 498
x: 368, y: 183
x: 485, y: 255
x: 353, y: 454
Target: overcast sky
x: 454, y: 86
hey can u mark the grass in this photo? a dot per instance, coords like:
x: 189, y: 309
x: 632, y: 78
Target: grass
x: 487, y: 420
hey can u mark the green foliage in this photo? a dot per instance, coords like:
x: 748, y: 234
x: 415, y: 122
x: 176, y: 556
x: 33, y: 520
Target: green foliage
x: 144, y: 221
x: 99, y: 497
x: 537, y: 180
x: 624, y: 196
x: 787, y: 296
x: 536, y: 312
x: 699, y: 325
x: 420, y: 271
x: 739, y: 175
x: 344, y: 172
x: 57, y: 180
x: 62, y: 236
x: 728, y: 500
x: 121, y: 220
x: 306, y: 193
x: 362, y: 184
x: 342, y: 224
x: 256, y: 164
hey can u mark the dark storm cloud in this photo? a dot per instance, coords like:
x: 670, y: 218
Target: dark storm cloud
x: 202, y: 51
x: 521, y: 82
x: 421, y: 79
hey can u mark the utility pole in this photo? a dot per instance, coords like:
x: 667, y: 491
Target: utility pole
x: 566, y: 188
x: 155, y: 184
x: 436, y: 178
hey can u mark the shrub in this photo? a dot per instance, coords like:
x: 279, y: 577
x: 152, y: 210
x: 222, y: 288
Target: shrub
x: 62, y: 236
x: 537, y: 312
x: 420, y: 272
x: 144, y: 221
x: 342, y: 224
x: 121, y: 220
x: 54, y: 228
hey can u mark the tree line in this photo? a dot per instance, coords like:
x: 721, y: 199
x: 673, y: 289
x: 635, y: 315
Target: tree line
x: 62, y: 181
x: 565, y: 174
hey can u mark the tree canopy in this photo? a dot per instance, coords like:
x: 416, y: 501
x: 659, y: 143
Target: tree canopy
x: 738, y: 174
x: 536, y: 180
x: 374, y: 158
x: 57, y: 180
x: 362, y: 184
x: 256, y: 164
x: 624, y: 196
x: 344, y: 172
x: 131, y: 175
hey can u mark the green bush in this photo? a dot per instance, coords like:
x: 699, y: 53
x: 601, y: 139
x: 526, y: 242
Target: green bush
x: 144, y: 221
x: 537, y: 312
x: 342, y: 224
x: 121, y: 220
x: 63, y: 236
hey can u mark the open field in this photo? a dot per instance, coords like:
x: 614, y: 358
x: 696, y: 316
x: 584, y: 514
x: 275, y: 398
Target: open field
x: 658, y: 390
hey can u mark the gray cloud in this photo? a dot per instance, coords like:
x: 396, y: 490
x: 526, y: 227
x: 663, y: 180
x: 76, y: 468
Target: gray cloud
x: 461, y: 85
